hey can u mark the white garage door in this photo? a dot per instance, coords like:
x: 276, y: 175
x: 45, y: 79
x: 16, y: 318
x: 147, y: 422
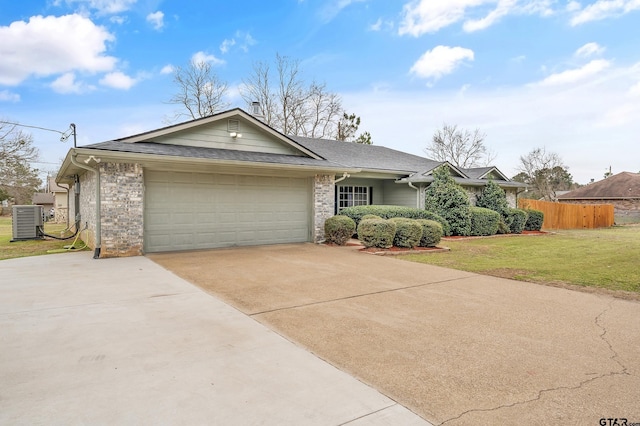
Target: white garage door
x: 196, y: 210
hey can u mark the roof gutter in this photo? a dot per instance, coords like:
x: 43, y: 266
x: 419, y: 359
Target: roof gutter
x: 96, y: 170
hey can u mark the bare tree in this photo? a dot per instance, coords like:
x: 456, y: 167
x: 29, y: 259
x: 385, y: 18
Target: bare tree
x: 460, y: 147
x: 545, y: 172
x: 288, y: 104
x: 200, y: 91
x: 18, y: 180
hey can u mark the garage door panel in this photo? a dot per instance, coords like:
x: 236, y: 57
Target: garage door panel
x: 194, y: 210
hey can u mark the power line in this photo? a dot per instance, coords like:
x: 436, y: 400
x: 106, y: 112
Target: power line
x: 64, y: 135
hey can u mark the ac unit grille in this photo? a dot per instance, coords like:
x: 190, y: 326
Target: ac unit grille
x: 26, y: 220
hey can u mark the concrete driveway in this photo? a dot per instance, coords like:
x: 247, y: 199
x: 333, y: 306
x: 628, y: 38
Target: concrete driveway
x: 455, y: 347
x: 124, y: 341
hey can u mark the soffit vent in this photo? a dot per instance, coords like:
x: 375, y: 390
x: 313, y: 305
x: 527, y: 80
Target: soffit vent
x: 233, y: 125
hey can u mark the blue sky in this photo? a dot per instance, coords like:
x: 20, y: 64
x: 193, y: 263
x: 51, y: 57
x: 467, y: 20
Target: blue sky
x: 564, y: 75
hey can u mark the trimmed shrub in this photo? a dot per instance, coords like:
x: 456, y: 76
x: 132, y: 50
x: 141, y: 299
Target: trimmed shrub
x: 484, y: 221
x: 370, y: 216
x: 376, y: 233
x: 408, y: 232
x: 449, y: 200
x: 431, y: 232
x: 517, y: 218
x: 503, y: 228
x: 494, y: 198
x: 357, y: 213
x: 534, y: 220
x: 338, y: 229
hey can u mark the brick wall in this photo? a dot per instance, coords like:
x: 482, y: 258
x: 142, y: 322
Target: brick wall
x: 323, y: 201
x: 122, y: 188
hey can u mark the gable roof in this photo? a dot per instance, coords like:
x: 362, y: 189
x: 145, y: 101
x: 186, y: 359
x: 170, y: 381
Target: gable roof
x: 368, y: 157
x: 622, y: 185
x: 175, y: 128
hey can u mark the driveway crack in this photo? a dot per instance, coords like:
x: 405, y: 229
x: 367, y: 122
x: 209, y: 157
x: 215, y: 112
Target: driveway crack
x: 614, y: 357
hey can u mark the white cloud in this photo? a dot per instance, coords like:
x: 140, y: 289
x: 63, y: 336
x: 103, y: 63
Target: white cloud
x: 503, y: 8
x: 227, y: 44
x: 334, y: 7
x: 67, y: 83
x: 118, y: 80
x: 576, y: 75
x: 376, y: 26
x: 440, y: 60
x: 200, y: 56
x: 573, y: 6
x: 603, y: 9
x: 103, y: 7
x: 51, y: 45
x: 7, y: 96
x: 429, y: 16
x: 118, y: 19
x: 635, y: 89
x: 156, y: 19
x: 589, y: 49
x: 167, y: 69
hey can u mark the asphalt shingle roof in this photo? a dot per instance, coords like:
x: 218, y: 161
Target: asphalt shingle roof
x: 372, y: 157
x: 209, y: 153
x: 622, y: 185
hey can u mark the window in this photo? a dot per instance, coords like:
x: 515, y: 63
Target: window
x: 348, y: 196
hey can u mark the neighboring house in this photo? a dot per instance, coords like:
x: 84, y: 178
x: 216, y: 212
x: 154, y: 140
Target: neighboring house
x: 622, y: 190
x: 230, y: 180
x: 44, y: 199
x: 60, y: 200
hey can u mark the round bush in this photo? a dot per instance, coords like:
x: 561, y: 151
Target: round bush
x: 431, y: 232
x: 484, y: 221
x: 357, y: 213
x: 338, y: 229
x: 370, y: 216
x: 516, y: 219
x: 376, y: 232
x: 408, y: 232
x: 534, y: 220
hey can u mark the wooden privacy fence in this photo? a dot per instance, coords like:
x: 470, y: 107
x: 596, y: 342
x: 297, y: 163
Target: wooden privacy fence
x: 571, y: 216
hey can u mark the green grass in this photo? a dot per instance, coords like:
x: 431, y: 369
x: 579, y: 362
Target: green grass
x: 9, y: 250
x: 605, y: 258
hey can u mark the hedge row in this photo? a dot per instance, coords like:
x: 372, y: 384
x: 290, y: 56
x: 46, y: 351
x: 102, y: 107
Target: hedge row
x: 387, y: 212
x: 399, y: 232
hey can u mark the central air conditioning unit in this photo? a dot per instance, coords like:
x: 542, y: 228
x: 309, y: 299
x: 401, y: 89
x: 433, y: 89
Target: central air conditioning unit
x: 27, y: 222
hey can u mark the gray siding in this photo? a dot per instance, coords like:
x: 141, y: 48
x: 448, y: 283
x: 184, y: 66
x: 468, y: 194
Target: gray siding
x: 216, y: 135
x: 397, y: 194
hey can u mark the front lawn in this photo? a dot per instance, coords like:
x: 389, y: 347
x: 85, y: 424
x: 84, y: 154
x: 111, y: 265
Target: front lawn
x: 606, y: 258
x: 9, y: 250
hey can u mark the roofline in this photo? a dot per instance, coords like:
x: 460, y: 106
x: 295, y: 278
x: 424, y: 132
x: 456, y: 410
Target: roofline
x: 140, y: 137
x: 492, y: 169
x: 109, y: 156
x: 468, y: 182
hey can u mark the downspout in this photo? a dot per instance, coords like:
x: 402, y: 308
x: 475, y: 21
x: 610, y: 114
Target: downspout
x: 344, y: 176
x: 418, y: 194
x: 96, y: 253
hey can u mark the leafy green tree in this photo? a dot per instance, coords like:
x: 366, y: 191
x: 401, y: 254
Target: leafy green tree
x: 449, y: 200
x: 494, y: 198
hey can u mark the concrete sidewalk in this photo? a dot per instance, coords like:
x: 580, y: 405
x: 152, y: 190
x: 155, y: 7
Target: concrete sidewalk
x: 124, y: 341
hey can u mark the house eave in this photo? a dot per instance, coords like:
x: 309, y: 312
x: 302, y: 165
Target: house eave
x: 155, y: 161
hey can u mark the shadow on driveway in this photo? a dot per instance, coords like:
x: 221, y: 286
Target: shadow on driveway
x: 455, y: 347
